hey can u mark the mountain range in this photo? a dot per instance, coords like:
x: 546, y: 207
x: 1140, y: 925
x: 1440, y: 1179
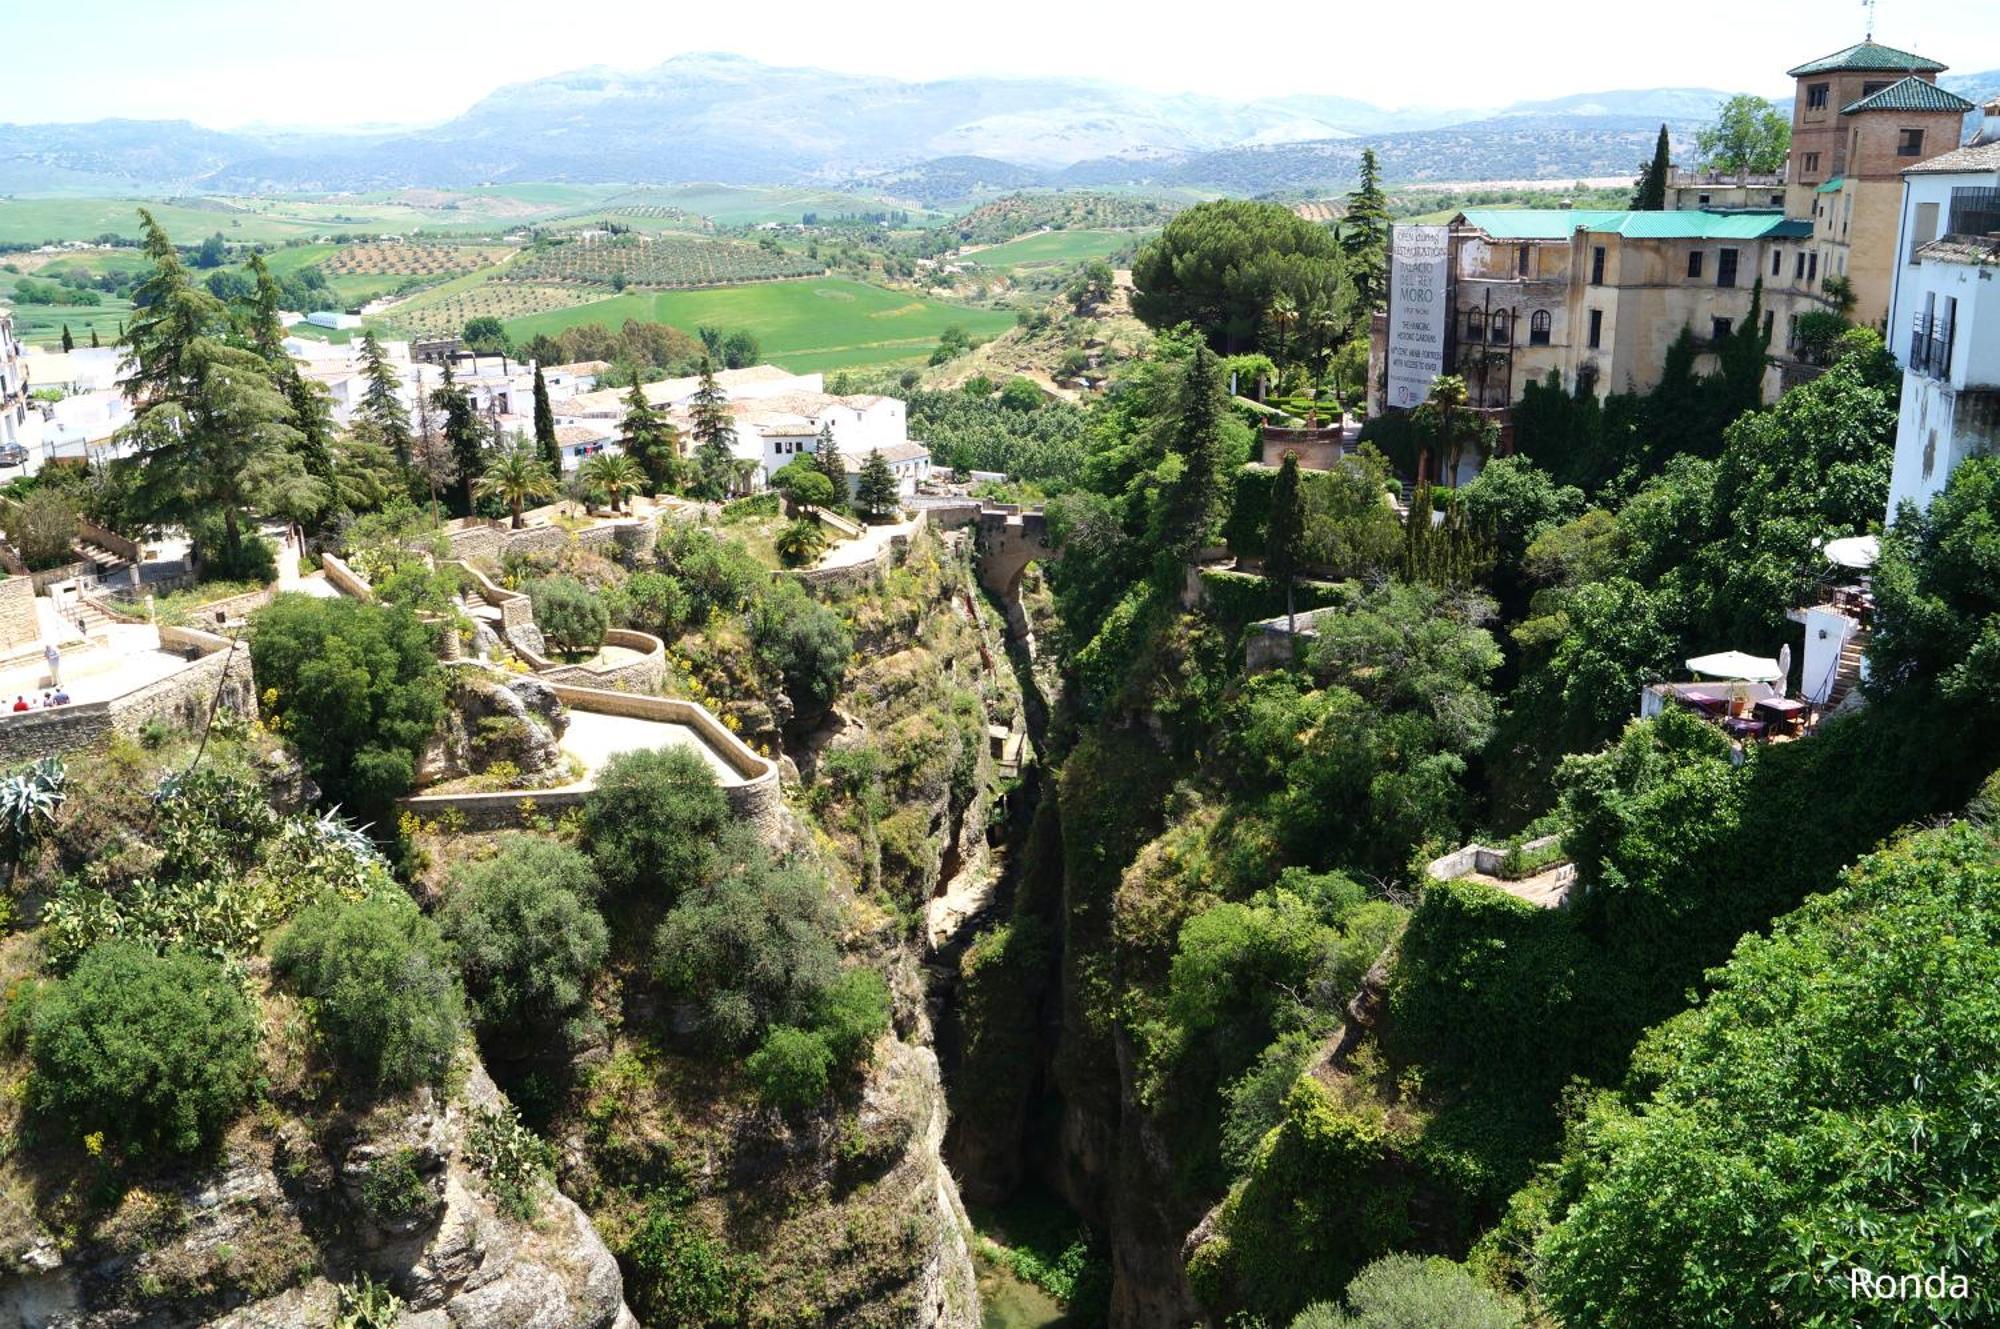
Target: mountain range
x: 725, y: 118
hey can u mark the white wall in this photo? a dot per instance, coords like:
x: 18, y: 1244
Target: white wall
x: 1937, y: 425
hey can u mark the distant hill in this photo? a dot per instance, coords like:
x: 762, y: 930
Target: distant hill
x: 729, y: 119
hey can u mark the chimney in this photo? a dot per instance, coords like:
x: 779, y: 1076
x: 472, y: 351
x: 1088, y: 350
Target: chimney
x: 1989, y: 124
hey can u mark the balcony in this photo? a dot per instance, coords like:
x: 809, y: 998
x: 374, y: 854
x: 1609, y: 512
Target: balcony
x: 1930, y: 348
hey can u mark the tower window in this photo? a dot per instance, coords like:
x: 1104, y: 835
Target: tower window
x: 1816, y: 96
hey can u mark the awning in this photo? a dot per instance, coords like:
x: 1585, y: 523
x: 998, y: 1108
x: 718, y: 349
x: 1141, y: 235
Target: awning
x: 1854, y: 551
x: 1737, y: 665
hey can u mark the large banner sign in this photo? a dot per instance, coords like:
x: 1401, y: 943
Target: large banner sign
x: 1419, y: 261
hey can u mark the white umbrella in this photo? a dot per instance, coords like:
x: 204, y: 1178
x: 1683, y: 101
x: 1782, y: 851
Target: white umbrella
x: 1854, y: 551
x: 1737, y: 666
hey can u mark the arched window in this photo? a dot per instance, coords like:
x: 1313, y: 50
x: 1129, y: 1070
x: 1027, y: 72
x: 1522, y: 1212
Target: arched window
x: 1538, y: 328
x: 1475, y: 325
x: 1501, y: 329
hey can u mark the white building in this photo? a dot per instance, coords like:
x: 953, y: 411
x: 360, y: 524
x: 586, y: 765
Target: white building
x: 13, y: 384
x: 86, y: 369
x: 333, y: 318
x: 1944, y: 315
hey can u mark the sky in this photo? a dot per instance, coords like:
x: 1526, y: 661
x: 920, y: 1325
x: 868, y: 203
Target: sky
x: 229, y: 63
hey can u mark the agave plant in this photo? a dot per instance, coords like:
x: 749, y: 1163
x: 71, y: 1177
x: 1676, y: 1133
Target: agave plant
x: 29, y: 799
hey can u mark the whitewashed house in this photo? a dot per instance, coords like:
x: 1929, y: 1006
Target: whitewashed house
x: 1944, y: 317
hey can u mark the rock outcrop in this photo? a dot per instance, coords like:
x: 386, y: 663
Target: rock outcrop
x: 268, y: 1234
x: 493, y: 718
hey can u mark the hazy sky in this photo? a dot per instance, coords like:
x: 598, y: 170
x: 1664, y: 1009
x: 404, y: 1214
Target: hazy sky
x: 225, y: 63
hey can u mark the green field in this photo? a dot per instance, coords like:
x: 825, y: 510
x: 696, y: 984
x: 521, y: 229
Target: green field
x: 41, y: 325
x: 804, y: 326
x: 1050, y: 249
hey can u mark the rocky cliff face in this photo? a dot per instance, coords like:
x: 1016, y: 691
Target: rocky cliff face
x: 289, y: 1213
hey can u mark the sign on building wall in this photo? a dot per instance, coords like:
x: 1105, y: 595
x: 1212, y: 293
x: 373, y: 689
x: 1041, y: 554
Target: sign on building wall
x: 1419, y: 270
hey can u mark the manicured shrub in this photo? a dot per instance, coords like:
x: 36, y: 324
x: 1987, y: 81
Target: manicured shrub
x: 380, y: 977
x: 653, y: 822
x: 152, y: 1052
x: 527, y: 938
x: 571, y: 617
x: 355, y: 688
x: 791, y: 1069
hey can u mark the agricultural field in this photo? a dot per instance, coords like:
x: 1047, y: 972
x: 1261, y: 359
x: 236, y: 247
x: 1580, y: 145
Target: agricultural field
x: 411, y: 260
x: 655, y: 261
x: 41, y: 325
x: 635, y: 216
x: 445, y: 312
x: 1050, y: 249
x: 804, y: 326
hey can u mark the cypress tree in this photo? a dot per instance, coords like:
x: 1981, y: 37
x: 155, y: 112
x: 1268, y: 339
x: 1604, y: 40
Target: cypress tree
x: 1649, y: 192
x: 1284, y: 536
x: 93, y: 337
x: 545, y: 425
x: 1196, y: 434
x: 68, y: 343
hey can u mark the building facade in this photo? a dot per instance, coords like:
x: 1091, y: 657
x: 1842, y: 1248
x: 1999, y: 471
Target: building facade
x: 1945, y: 320
x: 1860, y: 118
x: 13, y: 385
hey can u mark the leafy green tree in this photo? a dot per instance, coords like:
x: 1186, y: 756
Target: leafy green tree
x: 876, y: 496
x: 804, y: 642
x: 651, y: 440
x: 528, y: 939
x: 213, y: 253
x: 153, y: 1052
x: 1021, y: 394
x: 1411, y: 1292
x: 354, y: 687
x: 382, y: 401
x: 655, y: 602
x: 545, y: 426
x: 517, y: 477
x: 1219, y: 265
x: 751, y: 949
x: 383, y: 988
x: 1364, y: 237
x: 1649, y: 191
x: 653, y: 822
x: 1747, y: 137
x: 485, y: 335
x: 1795, y: 1125
x: 1937, y: 593
x: 791, y: 1068
x: 802, y: 483
x: 740, y: 350
x: 1284, y: 541
x: 569, y: 614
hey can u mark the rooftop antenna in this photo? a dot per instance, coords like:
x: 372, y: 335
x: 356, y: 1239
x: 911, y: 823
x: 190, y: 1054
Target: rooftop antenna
x: 1869, y: 35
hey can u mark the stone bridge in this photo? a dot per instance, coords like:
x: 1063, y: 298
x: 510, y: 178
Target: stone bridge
x: 1006, y: 538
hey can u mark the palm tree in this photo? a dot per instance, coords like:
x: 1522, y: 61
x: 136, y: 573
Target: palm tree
x: 1284, y: 314
x: 1446, y: 425
x: 616, y: 474
x: 800, y: 542
x: 515, y: 477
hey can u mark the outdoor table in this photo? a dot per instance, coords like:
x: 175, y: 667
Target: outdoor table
x: 1705, y: 702
x: 1783, y: 713
x: 1737, y: 727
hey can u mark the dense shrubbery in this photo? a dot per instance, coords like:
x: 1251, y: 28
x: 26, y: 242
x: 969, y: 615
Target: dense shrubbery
x: 150, y: 1052
x: 803, y: 642
x: 1350, y: 529
x: 383, y: 991
x: 1044, y: 446
x: 571, y: 617
x: 1409, y: 1292
x: 528, y: 939
x: 653, y: 824
x: 354, y: 687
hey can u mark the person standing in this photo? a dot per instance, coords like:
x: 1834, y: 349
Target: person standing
x: 54, y: 657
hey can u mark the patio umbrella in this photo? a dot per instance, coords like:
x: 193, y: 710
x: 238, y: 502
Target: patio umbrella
x: 1737, y: 666
x: 1854, y: 551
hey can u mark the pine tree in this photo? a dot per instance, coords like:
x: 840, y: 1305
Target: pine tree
x: 68, y: 342
x: 312, y: 407
x: 826, y: 456
x: 714, y: 431
x: 1649, y: 192
x: 875, y: 489
x: 1364, y: 236
x: 1284, y: 536
x: 381, y: 403
x: 545, y: 426
x: 651, y: 439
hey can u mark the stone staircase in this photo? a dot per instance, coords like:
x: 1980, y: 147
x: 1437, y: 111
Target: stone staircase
x: 1849, y: 672
x: 104, y: 563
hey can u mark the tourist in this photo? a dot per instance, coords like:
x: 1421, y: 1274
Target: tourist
x: 61, y: 698
x: 54, y: 657
x: 20, y: 703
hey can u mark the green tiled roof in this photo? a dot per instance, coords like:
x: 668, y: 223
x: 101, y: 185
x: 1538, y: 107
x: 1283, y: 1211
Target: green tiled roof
x: 1679, y: 224
x: 1867, y: 56
x: 1910, y: 94
x: 1832, y: 186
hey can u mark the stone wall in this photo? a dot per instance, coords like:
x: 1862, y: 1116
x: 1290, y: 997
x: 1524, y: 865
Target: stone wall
x: 756, y: 799
x: 48, y: 577
x: 217, y: 613
x: 123, y: 546
x: 183, y: 698
x: 19, y: 624
x: 644, y: 674
x: 345, y: 579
